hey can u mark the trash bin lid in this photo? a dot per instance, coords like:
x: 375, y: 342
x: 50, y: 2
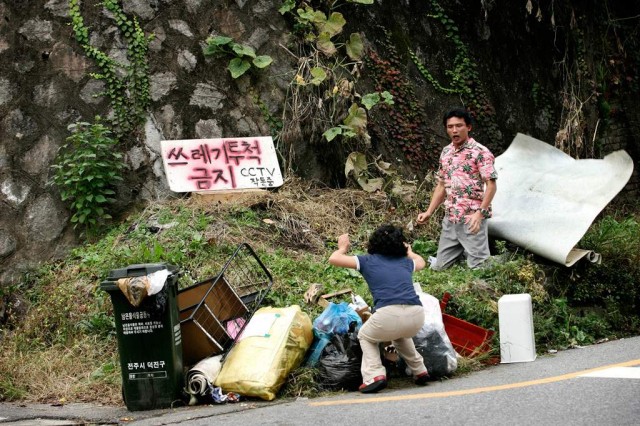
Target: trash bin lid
x: 137, y: 270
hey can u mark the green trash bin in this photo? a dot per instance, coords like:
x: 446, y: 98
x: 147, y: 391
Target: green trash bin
x: 149, y: 340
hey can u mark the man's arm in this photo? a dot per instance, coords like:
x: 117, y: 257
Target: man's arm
x: 476, y: 218
x: 439, y: 194
x: 489, y: 193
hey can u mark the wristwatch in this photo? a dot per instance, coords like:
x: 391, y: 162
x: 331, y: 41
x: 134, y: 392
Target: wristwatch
x: 485, y: 213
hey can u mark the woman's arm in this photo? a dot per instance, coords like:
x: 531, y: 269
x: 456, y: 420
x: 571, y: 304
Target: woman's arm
x: 340, y: 256
x: 417, y: 259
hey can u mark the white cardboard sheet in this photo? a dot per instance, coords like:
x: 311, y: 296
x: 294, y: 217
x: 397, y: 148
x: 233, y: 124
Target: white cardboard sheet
x: 546, y: 200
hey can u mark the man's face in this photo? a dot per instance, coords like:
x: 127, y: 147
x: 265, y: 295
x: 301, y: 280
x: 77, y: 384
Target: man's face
x: 458, y: 130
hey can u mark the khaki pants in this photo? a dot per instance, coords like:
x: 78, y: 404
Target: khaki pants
x: 397, y: 324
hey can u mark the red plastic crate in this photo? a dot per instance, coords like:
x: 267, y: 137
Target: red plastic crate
x: 468, y: 339
x: 445, y: 299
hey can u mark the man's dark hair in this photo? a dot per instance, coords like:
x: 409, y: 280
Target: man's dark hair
x: 387, y: 240
x: 459, y: 113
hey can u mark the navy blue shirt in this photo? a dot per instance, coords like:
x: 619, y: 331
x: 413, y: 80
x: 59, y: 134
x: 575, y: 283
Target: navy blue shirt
x: 390, y: 279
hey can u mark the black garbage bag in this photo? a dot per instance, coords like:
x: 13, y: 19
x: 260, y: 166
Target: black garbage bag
x: 339, y: 364
x: 437, y: 352
x: 432, y: 341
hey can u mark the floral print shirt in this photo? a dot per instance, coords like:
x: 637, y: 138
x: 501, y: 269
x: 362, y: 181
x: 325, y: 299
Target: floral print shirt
x: 464, y: 172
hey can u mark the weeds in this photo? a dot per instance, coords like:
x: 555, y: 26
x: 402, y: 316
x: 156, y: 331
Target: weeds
x: 60, y: 372
x: 86, y: 170
x: 243, y: 57
x: 609, y: 288
x: 302, y: 383
x: 64, y: 347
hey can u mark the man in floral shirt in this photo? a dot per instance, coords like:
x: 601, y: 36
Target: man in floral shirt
x: 466, y: 185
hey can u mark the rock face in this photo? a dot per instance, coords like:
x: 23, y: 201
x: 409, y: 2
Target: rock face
x: 46, y: 85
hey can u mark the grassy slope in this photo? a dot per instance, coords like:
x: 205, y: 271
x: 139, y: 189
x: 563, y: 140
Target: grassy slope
x: 60, y: 343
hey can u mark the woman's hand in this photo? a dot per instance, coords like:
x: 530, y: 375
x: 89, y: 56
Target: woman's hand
x: 340, y: 256
x: 344, y: 243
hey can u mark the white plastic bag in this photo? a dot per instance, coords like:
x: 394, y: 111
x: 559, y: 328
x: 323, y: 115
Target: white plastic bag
x: 432, y: 341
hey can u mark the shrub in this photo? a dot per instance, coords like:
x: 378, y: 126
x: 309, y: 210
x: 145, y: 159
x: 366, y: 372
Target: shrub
x: 613, y: 283
x: 86, y: 169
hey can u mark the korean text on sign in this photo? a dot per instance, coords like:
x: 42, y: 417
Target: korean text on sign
x: 221, y: 164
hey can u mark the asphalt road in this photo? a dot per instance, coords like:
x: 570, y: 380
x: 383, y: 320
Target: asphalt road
x: 595, y: 385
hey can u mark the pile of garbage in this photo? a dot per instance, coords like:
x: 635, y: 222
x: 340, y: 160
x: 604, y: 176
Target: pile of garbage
x: 285, y: 338
x: 220, y: 345
x: 273, y: 343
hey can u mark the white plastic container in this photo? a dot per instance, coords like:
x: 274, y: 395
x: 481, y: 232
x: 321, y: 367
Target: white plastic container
x: 517, y: 341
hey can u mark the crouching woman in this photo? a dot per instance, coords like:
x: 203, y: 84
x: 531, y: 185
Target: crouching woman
x: 398, y: 314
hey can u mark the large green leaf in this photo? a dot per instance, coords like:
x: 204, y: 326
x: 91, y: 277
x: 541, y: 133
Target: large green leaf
x: 216, y: 45
x: 361, y: 1
x: 355, y: 47
x: 262, y: 61
x: 388, y: 97
x: 238, y: 66
x: 325, y: 45
x: 357, y: 119
x: 318, y: 74
x: 219, y: 40
x: 244, y: 50
x: 370, y: 100
x: 330, y: 134
x: 347, y: 131
x: 333, y: 25
x: 311, y: 15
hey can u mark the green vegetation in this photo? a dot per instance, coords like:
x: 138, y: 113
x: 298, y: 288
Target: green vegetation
x: 127, y: 84
x: 464, y: 79
x: 89, y: 165
x: 243, y: 56
x: 59, y: 342
x: 596, y: 68
x: 320, y: 25
x: 86, y: 170
x: 404, y: 123
x: 609, y: 290
x: 66, y: 333
x: 327, y: 75
x: 355, y: 123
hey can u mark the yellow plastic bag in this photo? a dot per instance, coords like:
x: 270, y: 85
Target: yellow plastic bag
x: 273, y: 343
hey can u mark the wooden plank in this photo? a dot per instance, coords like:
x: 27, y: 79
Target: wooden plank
x: 235, y: 195
x: 336, y: 293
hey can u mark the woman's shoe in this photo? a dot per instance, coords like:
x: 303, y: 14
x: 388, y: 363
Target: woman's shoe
x: 422, y: 379
x: 374, y: 385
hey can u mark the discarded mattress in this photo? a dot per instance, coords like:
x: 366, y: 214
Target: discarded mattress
x: 547, y: 200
